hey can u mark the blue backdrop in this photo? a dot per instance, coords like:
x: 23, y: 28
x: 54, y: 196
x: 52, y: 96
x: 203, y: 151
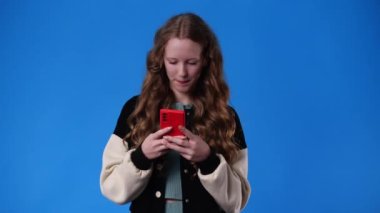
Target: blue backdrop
x: 304, y: 77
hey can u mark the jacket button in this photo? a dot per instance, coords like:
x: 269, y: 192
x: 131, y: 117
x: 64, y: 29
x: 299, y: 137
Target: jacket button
x: 158, y: 194
x: 187, y: 200
x: 186, y: 171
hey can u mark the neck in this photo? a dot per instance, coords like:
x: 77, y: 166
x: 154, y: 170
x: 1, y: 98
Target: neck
x: 183, y: 98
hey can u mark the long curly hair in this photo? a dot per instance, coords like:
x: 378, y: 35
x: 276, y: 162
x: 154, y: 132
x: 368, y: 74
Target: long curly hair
x: 213, y: 119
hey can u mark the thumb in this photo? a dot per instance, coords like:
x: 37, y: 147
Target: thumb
x: 161, y: 132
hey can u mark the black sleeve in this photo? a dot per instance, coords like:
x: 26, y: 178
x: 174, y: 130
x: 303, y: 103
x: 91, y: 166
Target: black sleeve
x: 239, y: 134
x: 212, y: 162
x: 140, y: 160
x: 209, y: 164
x: 122, y: 128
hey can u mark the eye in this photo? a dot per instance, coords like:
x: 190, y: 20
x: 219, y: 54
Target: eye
x: 171, y: 61
x: 192, y: 62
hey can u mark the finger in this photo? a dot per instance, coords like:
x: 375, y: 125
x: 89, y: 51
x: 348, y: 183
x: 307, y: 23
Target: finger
x: 161, y: 144
x: 161, y: 132
x: 186, y: 156
x: 181, y: 136
x: 181, y: 141
x: 177, y: 148
x: 163, y: 149
x: 186, y: 132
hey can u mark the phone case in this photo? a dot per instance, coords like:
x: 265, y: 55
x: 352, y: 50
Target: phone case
x: 173, y: 118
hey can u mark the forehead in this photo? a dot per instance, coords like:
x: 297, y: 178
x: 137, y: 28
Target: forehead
x: 182, y: 48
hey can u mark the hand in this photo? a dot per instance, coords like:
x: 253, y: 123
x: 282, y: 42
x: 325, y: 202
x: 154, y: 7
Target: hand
x: 191, y: 146
x: 153, y: 145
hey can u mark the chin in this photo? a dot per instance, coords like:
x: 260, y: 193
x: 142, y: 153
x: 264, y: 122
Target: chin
x: 183, y: 90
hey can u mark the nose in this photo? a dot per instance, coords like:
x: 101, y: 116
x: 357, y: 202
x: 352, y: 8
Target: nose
x: 182, y: 70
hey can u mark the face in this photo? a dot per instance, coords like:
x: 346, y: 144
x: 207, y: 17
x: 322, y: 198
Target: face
x: 183, y: 66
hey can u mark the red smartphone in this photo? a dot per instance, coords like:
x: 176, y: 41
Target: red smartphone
x: 173, y: 118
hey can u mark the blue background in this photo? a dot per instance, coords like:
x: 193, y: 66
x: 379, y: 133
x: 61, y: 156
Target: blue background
x: 304, y: 77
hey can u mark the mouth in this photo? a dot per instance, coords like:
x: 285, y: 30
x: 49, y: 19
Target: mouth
x: 183, y: 82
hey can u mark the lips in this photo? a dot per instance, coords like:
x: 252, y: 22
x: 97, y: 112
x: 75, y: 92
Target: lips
x: 183, y: 82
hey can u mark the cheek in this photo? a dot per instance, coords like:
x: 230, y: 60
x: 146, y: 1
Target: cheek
x: 196, y: 72
x: 169, y: 72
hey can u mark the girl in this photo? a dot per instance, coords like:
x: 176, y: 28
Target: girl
x: 206, y: 169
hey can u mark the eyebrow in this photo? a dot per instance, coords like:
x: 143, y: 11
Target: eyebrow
x: 171, y: 58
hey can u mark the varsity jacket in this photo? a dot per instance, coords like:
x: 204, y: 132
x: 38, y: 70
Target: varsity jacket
x: 211, y: 186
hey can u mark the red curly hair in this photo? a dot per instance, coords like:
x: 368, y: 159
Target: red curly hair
x: 213, y: 118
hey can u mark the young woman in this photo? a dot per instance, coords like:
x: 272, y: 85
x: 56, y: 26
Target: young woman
x: 206, y: 169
